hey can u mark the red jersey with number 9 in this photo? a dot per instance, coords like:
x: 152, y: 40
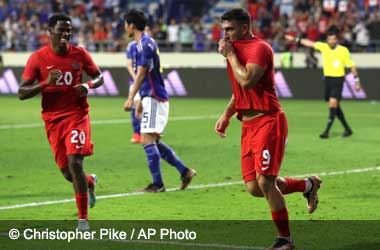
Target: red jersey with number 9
x: 61, y: 99
x: 262, y: 96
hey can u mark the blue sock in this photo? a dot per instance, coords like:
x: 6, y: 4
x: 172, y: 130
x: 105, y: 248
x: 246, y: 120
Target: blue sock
x: 153, y: 159
x: 135, y: 121
x: 170, y: 157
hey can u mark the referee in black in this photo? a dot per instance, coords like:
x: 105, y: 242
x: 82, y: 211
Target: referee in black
x: 335, y: 58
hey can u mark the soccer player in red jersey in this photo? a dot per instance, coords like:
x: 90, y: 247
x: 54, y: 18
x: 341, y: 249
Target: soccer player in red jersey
x: 58, y: 69
x: 251, y: 71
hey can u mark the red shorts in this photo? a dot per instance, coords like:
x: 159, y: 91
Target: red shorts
x: 70, y: 135
x: 262, y: 145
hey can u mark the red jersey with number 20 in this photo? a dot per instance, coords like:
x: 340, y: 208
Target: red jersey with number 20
x: 61, y: 99
x: 262, y: 96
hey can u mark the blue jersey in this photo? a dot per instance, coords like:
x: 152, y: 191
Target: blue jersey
x: 148, y: 56
x: 131, y: 52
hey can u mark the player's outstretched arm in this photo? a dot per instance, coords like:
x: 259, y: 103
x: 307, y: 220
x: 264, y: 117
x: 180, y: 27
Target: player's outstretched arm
x: 28, y: 89
x: 224, y: 120
x: 300, y: 41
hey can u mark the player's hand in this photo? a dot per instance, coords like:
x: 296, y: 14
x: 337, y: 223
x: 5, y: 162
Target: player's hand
x: 225, y: 48
x: 358, y: 87
x: 138, y: 109
x: 290, y: 38
x: 128, y: 105
x: 81, y: 90
x: 221, y: 126
x: 53, y: 76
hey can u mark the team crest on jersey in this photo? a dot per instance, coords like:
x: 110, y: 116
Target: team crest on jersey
x: 76, y: 65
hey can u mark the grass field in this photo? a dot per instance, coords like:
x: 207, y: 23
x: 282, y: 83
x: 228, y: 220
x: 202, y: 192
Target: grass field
x: 29, y: 173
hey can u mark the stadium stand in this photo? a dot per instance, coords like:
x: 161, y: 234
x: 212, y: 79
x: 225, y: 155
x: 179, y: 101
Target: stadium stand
x: 190, y: 25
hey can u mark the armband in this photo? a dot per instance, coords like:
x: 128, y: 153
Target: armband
x: 90, y: 84
x: 86, y: 86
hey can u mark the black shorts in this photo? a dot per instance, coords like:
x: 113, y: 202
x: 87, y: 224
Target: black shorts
x: 333, y: 87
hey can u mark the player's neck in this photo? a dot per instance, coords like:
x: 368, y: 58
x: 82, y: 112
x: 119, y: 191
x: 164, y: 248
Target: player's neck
x: 59, y: 50
x: 138, y: 35
x: 249, y: 36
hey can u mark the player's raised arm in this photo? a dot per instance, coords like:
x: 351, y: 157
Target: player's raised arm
x: 28, y: 89
x: 247, y: 75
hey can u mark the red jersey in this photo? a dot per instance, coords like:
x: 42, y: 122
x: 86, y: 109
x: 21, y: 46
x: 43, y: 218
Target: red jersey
x: 262, y: 96
x: 61, y: 99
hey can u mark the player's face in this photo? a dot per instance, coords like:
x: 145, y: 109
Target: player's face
x: 129, y: 29
x: 332, y: 41
x: 233, y: 30
x: 61, y: 33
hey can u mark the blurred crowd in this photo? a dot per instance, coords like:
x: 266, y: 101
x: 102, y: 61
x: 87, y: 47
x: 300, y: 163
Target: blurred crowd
x: 98, y: 25
x: 357, y: 20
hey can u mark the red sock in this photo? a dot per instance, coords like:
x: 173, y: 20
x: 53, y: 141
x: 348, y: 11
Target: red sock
x: 281, y: 220
x: 294, y: 185
x: 82, y: 205
x: 90, y: 181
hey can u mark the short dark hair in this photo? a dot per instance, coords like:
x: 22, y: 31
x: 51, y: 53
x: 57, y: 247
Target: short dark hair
x: 332, y: 31
x: 239, y: 15
x: 137, y: 17
x: 58, y: 17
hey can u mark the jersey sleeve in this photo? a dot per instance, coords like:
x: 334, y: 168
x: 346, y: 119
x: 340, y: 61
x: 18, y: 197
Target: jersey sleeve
x: 260, y: 54
x: 145, y: 56
x: 89, y: 65
x: 320, y: 46
x: 128, y: 52
x: 31, y: 68
x: 347, y: 59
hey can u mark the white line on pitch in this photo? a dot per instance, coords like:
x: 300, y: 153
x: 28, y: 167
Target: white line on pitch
x: 186, y: 244
x: 116, y: 121
x: 199, y: 186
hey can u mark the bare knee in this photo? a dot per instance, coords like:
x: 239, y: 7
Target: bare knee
x: 75, y: 165
x: 66, y: 173
x: 149, y: 138
x: 333, y: 102
x: 254, y: 189
x: 266, y: 183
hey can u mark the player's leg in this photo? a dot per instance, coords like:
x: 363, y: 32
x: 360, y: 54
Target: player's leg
x: 276, y: 202
x: 154, y: 120
x: 168, y: 154
x: 136, y: 121
x: 75, y: 163
x: 154, y: 164
x: 91, y: 183
x: 347, y: 130
x: 136, y: 137
x: 334, y: 94
x: 271, y: 133
x: 150, y: 134
x: 333, y: 110
x: 78, y: 145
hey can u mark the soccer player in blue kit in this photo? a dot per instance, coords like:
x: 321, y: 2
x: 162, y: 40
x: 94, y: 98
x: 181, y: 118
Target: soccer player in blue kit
x: 131, y: 65
x: 154, y: 108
